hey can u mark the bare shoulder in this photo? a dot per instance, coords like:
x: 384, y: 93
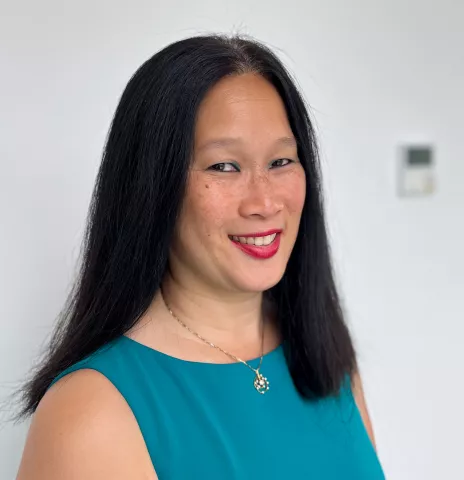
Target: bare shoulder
x: 83, y: 428
x: 358, y: 394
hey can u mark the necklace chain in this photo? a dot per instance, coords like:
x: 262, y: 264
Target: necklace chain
x: 261, y: 383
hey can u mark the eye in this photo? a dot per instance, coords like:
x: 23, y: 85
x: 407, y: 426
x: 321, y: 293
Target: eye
x: 224, y: 167
x: 281, y: 162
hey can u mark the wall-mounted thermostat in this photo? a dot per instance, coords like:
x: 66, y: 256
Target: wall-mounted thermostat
x: 416, y: 170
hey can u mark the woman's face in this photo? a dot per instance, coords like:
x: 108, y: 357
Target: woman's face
x: 245, y: 191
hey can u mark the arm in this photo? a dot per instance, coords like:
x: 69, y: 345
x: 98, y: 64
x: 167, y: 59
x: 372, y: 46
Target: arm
x: 83, y: 428
x: 358, y: 393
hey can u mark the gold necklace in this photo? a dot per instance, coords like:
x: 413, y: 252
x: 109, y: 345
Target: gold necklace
x: 261, y: 383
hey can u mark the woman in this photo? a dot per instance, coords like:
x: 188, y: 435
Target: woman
x: 205, y: 337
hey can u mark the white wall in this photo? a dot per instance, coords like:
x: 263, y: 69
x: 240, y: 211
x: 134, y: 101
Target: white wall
x: 375, y: 72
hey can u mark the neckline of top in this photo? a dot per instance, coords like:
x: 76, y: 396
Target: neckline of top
x: 166, y: 356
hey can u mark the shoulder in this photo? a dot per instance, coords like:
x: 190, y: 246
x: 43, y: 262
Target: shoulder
x: 359, y: 397
x: 83, y: 428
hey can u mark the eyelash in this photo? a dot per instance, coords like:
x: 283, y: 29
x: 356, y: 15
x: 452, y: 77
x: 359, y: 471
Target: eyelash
x: 212, y: 167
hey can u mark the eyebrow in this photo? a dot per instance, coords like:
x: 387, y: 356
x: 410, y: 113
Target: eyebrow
x: 230, y: 141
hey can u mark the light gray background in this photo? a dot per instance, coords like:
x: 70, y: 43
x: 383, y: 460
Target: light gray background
x: 376, y: 73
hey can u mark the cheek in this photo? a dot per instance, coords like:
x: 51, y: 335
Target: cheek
x: 205, y: 208
x: 295, y: 192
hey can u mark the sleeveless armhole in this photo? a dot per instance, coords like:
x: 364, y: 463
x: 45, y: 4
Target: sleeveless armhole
x: 110, y: 366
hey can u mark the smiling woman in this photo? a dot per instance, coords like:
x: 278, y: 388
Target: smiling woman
x: 255, y: 187
x: 204, y: 338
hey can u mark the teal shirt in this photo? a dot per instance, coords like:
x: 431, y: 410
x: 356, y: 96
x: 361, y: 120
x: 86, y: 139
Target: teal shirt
x: 206, y: 421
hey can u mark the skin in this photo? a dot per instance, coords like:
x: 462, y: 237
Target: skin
x: 83, y: 427
x: 245, y: 178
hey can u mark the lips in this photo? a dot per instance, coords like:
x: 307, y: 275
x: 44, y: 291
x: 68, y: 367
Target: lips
x: 262, y: 245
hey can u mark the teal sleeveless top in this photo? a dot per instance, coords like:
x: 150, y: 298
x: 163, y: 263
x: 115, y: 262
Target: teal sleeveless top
x: 206, y: 421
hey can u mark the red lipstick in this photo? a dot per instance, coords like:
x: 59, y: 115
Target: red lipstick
x: 259, y: 234
x: 261, y: 252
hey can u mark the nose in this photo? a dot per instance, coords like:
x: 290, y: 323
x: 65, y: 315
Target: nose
x: 260, y: 198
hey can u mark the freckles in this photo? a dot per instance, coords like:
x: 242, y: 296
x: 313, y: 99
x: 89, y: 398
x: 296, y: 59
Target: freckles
x: 209, y: 202
x: 296, y: 192
x: 209, y: 213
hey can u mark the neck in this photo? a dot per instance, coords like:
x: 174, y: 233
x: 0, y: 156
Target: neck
x: 225, y: 319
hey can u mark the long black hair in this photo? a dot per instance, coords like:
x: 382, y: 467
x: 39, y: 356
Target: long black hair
x: 136, y: 200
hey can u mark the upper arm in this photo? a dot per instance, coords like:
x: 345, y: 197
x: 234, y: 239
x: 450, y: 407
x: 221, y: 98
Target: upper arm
x: 83, y: 428
x: 358, y: 394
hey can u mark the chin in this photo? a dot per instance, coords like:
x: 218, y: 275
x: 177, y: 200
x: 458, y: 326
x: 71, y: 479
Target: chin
x: 259, y: 282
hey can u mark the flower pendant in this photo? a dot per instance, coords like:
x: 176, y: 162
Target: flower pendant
x: 261, y: 383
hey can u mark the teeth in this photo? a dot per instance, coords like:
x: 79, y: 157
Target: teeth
x: 258, y: 241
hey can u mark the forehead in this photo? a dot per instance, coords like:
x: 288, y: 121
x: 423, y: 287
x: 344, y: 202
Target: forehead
x: 245, y: 107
